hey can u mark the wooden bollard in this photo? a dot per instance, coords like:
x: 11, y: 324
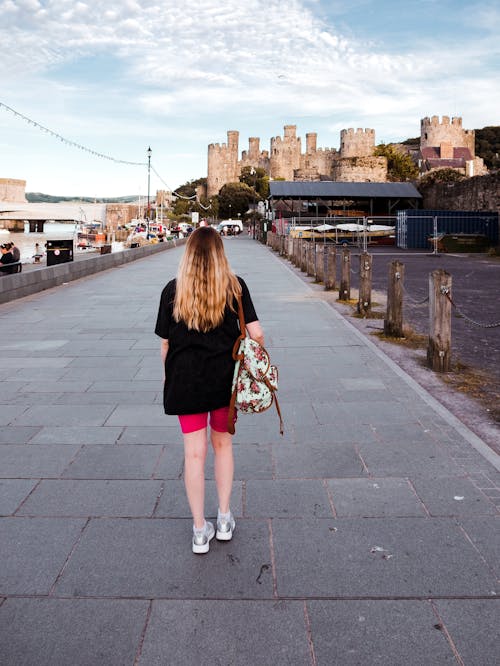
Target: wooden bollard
x: 439, y: 348
x: 330, y: 266
x: 320, y: 264
x: 310, y: 255
x: 289, y: 247
x: 393, y: 322
x: 303, y: 256
x: 345, y: 279
x: 365, y: 283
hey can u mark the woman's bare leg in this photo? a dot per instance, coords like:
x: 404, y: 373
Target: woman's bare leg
x: 222, y: 443
x: 195, y: 453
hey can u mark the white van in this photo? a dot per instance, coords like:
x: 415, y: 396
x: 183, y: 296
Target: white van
x: 233, y: 226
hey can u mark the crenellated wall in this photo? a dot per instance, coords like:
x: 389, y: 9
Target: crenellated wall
x: 357, y: 143
x: 434, y: 132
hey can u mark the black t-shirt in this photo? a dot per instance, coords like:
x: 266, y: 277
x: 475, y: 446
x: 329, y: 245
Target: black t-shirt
x: 199, y: 366
x: 5, y: 260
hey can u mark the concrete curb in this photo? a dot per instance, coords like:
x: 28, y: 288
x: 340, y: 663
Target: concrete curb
x: 31, y: 282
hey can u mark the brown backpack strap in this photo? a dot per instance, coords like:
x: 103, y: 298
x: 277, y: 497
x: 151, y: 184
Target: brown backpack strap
x: 236, y: 357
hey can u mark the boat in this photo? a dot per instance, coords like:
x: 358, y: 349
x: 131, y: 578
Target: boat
x: 347, y: 233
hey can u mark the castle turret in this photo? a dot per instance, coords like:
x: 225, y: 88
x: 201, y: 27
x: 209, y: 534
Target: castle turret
x: 311, y: 141
x: 285, y: 154
x: 222, y: 163
x: 359, y: 143
x: 446, y: 134
x: 12, y: 189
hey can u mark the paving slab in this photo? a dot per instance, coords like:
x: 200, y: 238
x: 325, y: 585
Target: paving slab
x: 35, y: 462
x: 226, y: 632
x: 17, y: 434
x: 453, y: 496
x: 160, y: 435
x: 53, y: 415
x: 290, y: 498
x: 114, y: 462
x: 33, y: 552
x: 79, y: 435
x: 375, y: 498
x: 380, y: 557
x: 484, y: 533
x: 377, y: 632
x: 12, y: 493
x: 155, y: 562
x: 92, y: 498
x: 48, y: 632
x: 317, y: 461
x: 473, y: 627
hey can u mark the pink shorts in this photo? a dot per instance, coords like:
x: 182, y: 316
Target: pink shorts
x: 193, y: 422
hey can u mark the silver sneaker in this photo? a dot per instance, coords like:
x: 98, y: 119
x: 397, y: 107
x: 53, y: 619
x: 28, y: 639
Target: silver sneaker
x: 201, y: 540
x: 225, y: 528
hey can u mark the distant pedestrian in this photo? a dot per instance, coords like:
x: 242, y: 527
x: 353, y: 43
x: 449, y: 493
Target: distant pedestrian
x: 6, y: 259
x: 198, y: 324
x: 16, y: 253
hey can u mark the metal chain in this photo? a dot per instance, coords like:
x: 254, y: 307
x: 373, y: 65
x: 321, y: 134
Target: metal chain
x: 415, y: 302
x: 462, y: 314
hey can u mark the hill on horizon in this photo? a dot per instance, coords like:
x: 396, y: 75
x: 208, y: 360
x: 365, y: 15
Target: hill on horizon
x: 39, y: 197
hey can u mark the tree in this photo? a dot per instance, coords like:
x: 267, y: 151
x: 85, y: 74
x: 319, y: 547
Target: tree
x: 400, y: 166
x: 488, y: 146
x: 256, y: 178
x: 235, y: 198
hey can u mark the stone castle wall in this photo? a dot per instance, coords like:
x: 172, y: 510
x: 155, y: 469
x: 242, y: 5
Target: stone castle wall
x: 478, y: 193
x: 360, y: 170
x: 13, y: 190
x: 435, y: 133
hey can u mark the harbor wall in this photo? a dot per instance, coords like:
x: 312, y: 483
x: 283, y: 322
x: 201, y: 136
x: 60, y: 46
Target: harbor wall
x: 31, y: 282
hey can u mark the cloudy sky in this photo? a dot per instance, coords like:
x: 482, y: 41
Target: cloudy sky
x: 118, y: 76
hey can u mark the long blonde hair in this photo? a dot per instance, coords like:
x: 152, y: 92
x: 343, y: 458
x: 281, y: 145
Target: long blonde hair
x: 205, y: 282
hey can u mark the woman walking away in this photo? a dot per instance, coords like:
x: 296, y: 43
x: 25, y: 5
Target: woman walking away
x: 198, y: 324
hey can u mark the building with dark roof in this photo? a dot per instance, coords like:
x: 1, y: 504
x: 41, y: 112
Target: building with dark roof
x: 336, y: 199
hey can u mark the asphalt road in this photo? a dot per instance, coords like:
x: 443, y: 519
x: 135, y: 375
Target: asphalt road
x: 475, y: 291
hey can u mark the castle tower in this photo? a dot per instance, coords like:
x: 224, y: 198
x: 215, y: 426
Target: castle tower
x: 359, y: 143
x: 222, y: 163
x: 285, y: 154
x: 12, y: 190
x: 254, y: 148
x: 446, y: 135
x: 311, y: 142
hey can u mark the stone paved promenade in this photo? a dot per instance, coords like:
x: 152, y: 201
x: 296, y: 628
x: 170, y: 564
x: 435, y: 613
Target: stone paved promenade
x: 368, y: 534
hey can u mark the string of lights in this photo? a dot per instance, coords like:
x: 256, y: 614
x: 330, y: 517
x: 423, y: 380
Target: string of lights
x: 73, y: 144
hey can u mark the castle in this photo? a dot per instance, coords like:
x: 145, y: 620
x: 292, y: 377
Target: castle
x: 442, y: 144
x: 447, y: 144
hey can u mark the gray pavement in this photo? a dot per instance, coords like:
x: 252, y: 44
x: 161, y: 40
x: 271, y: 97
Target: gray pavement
x: 368, y: 534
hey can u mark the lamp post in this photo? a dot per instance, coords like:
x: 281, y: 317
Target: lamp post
x: 253, y: 173
x: 149, y: 151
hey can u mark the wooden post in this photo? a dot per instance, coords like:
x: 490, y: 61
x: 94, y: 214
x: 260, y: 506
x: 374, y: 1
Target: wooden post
x: 310, y: 258
x: 365, y: 283
x: 303, y: 256
x: 393, y: 322
x: 345, y: 280
x: 320, y: 264
x: 330, y: 264
x: 293, y: 257
x: 439, y: 348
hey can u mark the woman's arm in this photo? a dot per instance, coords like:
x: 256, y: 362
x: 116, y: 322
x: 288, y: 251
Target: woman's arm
x: 255, y: 332
x: 163, y: 352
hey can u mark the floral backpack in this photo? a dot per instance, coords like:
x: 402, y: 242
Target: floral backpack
x: 255, y: 380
